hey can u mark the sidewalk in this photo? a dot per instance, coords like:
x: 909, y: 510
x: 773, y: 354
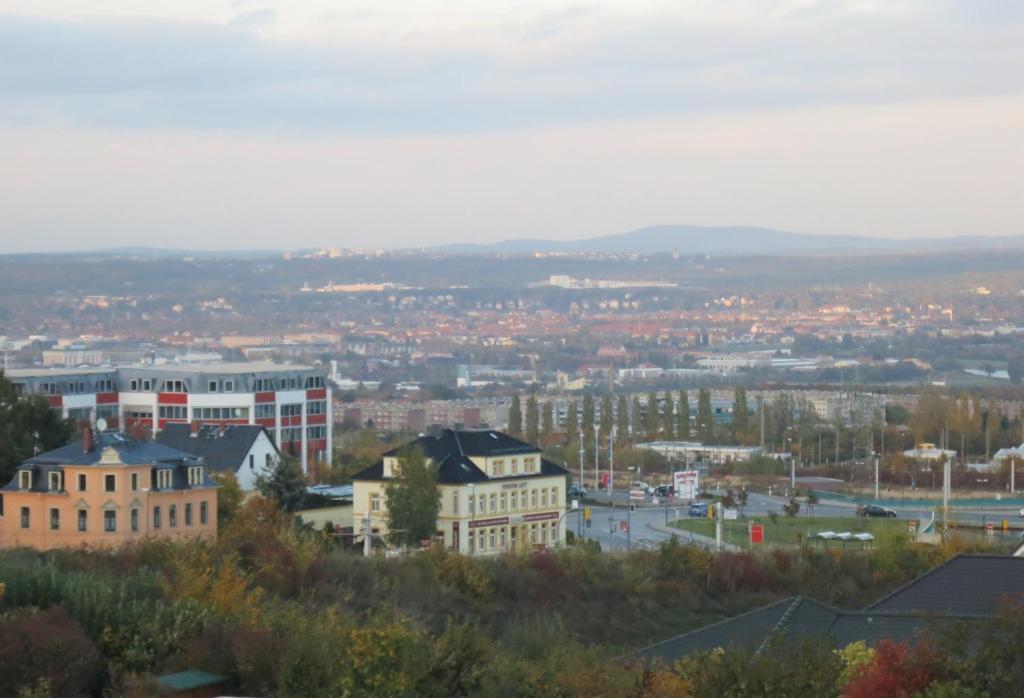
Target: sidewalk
x: 686, y: 536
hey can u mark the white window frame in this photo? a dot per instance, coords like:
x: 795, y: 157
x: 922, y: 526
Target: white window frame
x: 56, y: 481
x: 164, y: 478
x: 25, y: 479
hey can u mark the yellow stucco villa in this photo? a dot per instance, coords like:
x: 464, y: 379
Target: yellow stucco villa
x: 106, y: 490
x: 498, y: 494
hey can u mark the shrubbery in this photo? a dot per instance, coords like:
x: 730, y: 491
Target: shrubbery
x: 281, y: 610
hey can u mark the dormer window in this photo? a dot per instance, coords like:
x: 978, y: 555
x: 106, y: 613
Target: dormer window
x: 195, y: 475
x: 56, y: 481
x: 25, y: 479
x: 164, y: 478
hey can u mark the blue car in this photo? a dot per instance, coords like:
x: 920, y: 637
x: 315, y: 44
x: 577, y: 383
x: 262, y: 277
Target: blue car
x: 699, y: 509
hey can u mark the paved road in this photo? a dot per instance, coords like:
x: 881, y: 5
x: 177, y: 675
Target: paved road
x: 648, y: 522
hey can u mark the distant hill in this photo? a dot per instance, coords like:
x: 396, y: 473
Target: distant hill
x: 734, y: 240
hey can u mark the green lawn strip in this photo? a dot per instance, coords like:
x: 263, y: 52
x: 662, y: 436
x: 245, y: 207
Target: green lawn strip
x: 787, y: 531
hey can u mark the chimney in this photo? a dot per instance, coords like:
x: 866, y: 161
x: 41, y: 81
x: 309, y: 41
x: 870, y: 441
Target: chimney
x: 87, y: 440
x: 146, y: 432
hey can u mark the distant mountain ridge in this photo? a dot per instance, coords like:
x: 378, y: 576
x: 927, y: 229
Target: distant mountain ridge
x: 735, y: 240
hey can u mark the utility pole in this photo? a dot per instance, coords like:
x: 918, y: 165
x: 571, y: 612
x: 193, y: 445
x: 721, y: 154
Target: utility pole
x: 876, y: 477
x: 581, y: 462
x: 367, y: 532
x: 611, y: 462
x: 718, y: 526
x: 761, y: 410
x: 597, y: 453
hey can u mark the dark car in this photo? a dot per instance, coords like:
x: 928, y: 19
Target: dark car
x: 876, y: 511
x: 664, y: 491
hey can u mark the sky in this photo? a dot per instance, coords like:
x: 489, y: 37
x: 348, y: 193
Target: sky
x: 282, y: 124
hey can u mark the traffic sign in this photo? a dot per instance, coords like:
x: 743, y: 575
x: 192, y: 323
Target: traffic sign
x: 623, y: 525
x: 637, y: 494
x: 989, y: 529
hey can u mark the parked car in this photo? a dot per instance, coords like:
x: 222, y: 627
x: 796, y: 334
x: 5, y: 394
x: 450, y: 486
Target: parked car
x: 874, y: 510
x: 698, y: 509
x: 664, y: 491
x: 577, y: 491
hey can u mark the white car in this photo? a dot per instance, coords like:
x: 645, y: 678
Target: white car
x: 641, y: 485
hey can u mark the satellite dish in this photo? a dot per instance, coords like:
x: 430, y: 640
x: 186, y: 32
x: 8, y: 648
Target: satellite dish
x: 101, y: 424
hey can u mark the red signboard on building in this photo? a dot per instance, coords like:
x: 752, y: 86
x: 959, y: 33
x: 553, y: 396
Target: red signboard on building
x: 756, y: 534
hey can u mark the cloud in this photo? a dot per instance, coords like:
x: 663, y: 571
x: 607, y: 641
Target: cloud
x: 581, y: 63
x: 927, y: 168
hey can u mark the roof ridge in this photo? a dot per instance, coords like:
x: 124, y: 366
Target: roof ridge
x: 788, y: 599
x: 781, y: 622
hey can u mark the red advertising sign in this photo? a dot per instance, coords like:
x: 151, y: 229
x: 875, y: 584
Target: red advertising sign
x: 756, y: 534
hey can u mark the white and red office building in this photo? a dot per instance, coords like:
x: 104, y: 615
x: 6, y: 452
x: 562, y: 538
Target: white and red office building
x: 292, y: 402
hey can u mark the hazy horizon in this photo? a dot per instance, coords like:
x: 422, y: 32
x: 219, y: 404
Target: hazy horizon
x: 258, y: 124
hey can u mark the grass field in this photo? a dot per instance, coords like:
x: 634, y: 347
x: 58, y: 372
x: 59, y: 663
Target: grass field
x: 789, y: 531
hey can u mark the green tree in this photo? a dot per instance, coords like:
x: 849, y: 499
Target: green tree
x: 572, y: 424
x: 413, y: 500
x: 285, y: 485
x: 1015, y: 368
x: 683, y: 418
x: 740, y: 412
x: 668, y: 418
x: 705, y: 417
x: 27, y: 426
x: 606, y: 415
x: 532, y: 419
x: 622, y: 418
x: 547, y: 420
x: 652, y: 420
x: 229, y: 497
x: 515, y: 417
x: 588, y: 428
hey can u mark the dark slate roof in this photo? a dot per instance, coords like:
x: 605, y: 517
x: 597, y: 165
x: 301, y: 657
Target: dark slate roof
x: 129, y: 452
x: 190, y: 680
x: 963, y: 585
x: 220, y: 448
x: 451, y: 451
x: 744, y: 630
x: 796, y: 619
x: 469, y: 442
x: 964, y: 589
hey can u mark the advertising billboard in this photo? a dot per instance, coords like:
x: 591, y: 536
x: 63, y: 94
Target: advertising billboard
x: 686, y: 484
